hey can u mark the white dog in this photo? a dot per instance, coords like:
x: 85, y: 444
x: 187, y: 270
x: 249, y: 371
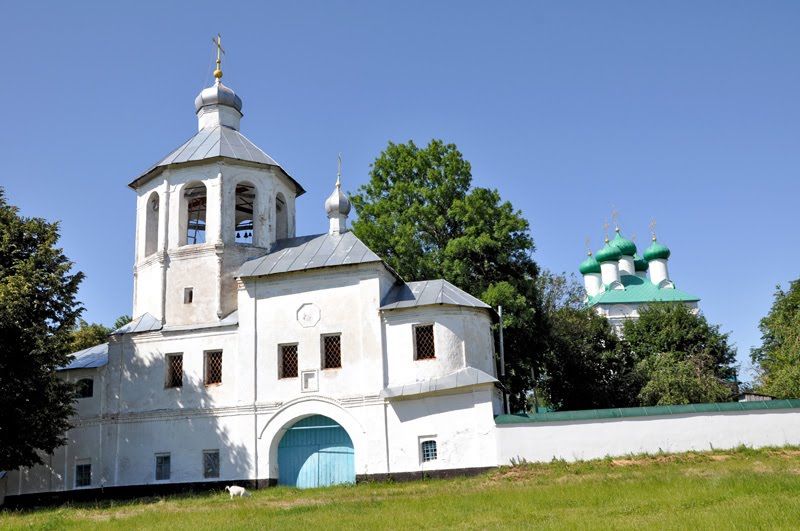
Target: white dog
x: 234, y: 490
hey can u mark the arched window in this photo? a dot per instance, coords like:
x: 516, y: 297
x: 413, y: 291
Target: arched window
x: 245, y: 207
x: 281, y: 218
x: 151, y: 224
x: 195, y: 200
x: 84, y: 388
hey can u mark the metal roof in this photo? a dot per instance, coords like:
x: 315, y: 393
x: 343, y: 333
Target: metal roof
x: 310, y: 252
x: 461, y: 378
x: 89, y: 358
x: 640, y: 290
x: 428, y: 292
x: 213, y: 142
x: 143, y: 323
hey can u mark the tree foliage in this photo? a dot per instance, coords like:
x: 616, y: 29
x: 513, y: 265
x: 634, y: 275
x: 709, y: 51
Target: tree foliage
x: 419, y: 212
x: 38, y: 311
x: 87, y: 335
x: 682, y: 358
x: 778, y: 357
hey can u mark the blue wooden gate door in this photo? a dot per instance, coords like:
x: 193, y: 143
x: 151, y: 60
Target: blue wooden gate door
x: 315, y: 452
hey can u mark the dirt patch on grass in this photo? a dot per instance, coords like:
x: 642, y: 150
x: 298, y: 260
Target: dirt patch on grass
x: 718, y: 457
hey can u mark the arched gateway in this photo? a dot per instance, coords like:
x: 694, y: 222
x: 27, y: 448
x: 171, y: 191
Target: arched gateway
x: 316, y: 452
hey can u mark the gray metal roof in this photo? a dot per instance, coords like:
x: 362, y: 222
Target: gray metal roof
x: 212, y: 142
x: 89, y: 358
x: 310, y: 252
x: 143, y: 323
x: 428, y: 292
x: 465, y: 377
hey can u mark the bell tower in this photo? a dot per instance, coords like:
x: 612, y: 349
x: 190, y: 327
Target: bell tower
x: 203, y: 210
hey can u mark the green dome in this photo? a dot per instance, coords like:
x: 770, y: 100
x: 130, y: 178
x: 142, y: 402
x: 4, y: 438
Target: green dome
x: 625, y: 246
x: 609, y: 253
x: 656, y: 251
x: 590, y: 265
x: 639, y: 263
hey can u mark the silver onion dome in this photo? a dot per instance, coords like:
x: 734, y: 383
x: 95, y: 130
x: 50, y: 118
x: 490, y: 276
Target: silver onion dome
x: 218, y: 94
x: 337, y: 203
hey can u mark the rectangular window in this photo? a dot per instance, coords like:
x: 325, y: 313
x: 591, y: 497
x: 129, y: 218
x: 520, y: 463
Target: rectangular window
x: 428, y: 450
x: 332, y: 351
x: 423, y: 342
x: 288, y: 361
x: 174, y: 370
x: 213, y: 368
x: 162, y: 467
x: 188, y: 295
x: 210, y: 463
x: 83, y: 475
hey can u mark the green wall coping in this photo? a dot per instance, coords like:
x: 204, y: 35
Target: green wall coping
x: 650, y: 411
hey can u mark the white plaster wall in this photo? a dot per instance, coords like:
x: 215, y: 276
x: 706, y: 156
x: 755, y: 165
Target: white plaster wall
x: 462, y: 424
x: 675, y: 433
x: 461, y: 337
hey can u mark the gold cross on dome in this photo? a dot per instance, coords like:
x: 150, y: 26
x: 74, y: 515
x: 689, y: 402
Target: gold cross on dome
x: 218, y: 43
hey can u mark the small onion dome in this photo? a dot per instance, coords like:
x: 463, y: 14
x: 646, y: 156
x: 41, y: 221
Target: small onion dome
x: 337, y: 203
x: 218, y: 94
x: 639, y: 263
x: 609, y: 253
x: 625, y: 246
x: 590, y: 265
x: 656, y: 251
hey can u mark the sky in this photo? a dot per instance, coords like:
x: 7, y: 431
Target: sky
x: 684, y: 112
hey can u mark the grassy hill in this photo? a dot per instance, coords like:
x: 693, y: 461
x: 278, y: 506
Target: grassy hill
x: 741, y: 489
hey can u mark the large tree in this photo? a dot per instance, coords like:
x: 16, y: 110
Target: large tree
x: 682, y: 358
x: 778, y: 357
x: 38, y: 311
x: 419, y: 211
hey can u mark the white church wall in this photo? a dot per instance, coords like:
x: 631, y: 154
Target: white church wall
x: 461, y: 337
x: 300, y: 308
x: 461, y: 423
x: 579, y: 440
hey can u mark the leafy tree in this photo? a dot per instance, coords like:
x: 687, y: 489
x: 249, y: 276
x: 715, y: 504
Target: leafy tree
x: 87, y: 335
x: 38, y: 311
x: 683, y: 358
x: 584, y: 365
x: 778, y: 357
x: 121, y: 321
x: 419, y: 212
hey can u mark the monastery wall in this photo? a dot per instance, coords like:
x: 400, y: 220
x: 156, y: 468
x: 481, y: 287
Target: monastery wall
x: 595, y: 439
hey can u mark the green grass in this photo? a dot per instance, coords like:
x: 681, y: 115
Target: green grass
x: 740, y: 489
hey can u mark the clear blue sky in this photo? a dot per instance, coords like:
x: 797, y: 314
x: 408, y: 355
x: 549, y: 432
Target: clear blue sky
x: 686, y: 112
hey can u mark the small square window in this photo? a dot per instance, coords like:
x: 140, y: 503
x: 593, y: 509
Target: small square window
x: 428, y: 449
x: 332, y: 351
x: 84, y: 388
x: 288, y: 361
x: 424, y: 348
x: 174, y: 377
x: 162, y: 467
x: 211, y: 463
x: 83, y: 475
x: 213, y: 368
x: 188, y: 295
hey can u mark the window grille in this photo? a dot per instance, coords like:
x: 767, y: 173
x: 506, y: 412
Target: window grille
x: 423, y: 338
x: 211, y: 463
x: 84, y: 388
x: 428, y: 451
x: 288, y: 361
x: 162, y: 467
x: 83, y: 475
x: 332, y: 351
x: 213, y: 369
x: 174, y: 370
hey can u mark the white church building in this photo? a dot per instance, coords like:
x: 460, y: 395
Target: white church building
x: 260, y: 357
x: 257, y: 357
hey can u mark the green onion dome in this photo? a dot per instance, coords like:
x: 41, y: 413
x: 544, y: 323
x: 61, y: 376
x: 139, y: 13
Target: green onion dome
x: 609, y: 253
x: 590, y: 265
x: 625, y: 246
x: 656, y: 251
x: 639, y: 263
